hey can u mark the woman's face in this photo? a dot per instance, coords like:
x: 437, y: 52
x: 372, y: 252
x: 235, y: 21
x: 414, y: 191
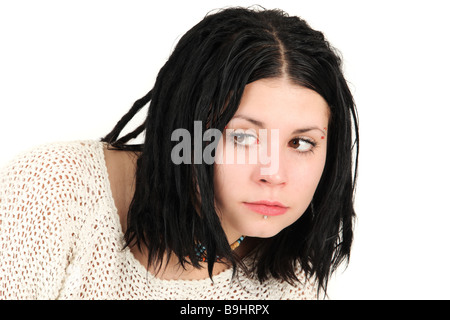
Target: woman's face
x: 270, y: 158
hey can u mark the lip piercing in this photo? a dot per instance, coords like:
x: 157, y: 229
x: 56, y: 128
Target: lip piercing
x: 265, y: 217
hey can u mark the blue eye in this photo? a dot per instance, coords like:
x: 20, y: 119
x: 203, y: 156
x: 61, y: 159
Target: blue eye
x: 242, y: 138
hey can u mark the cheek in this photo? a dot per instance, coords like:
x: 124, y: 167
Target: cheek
x: 305, y: 181
x: 229, y: 181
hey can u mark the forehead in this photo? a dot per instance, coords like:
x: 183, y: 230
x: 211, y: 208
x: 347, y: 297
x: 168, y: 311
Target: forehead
x: 279, y: 102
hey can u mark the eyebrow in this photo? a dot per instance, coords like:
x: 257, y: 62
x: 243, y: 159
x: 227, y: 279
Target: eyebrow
x: 262, y: 125
x: 251, y: 120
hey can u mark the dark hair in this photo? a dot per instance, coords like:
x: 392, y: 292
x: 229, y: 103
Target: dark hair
x: 203, y: 80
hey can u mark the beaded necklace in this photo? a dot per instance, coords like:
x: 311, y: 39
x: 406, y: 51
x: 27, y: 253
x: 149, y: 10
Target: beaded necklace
x: 200, y: 250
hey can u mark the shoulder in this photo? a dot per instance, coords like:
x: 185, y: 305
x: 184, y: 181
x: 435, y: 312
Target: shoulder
x: 52, y: 173
x: 303, y: 289
x: 45, y: 198
x: 56, y: 150
x: 52, y: 158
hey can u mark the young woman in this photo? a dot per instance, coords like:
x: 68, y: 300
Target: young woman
x: 270, y: 218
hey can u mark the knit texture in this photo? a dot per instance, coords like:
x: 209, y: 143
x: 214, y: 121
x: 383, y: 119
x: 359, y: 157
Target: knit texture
x: 61, y: 238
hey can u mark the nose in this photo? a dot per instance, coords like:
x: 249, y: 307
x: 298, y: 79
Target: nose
x: 272, y: 179
x: 275, y: 171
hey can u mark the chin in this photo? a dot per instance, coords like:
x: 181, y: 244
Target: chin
x: 264, y: 232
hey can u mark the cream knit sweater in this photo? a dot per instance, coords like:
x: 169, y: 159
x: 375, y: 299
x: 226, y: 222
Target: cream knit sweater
x: 61, y: 238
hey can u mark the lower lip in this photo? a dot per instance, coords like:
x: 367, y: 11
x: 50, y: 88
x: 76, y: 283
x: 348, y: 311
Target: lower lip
x: 265, y: 209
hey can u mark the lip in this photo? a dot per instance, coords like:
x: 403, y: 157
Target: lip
x: 267, y: 208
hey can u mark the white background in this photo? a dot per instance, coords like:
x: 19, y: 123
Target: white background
x: 70, y: 69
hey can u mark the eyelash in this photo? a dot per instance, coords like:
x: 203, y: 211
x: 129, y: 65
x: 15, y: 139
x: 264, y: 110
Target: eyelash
x: 233, y: 135
x: 307, y: 140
